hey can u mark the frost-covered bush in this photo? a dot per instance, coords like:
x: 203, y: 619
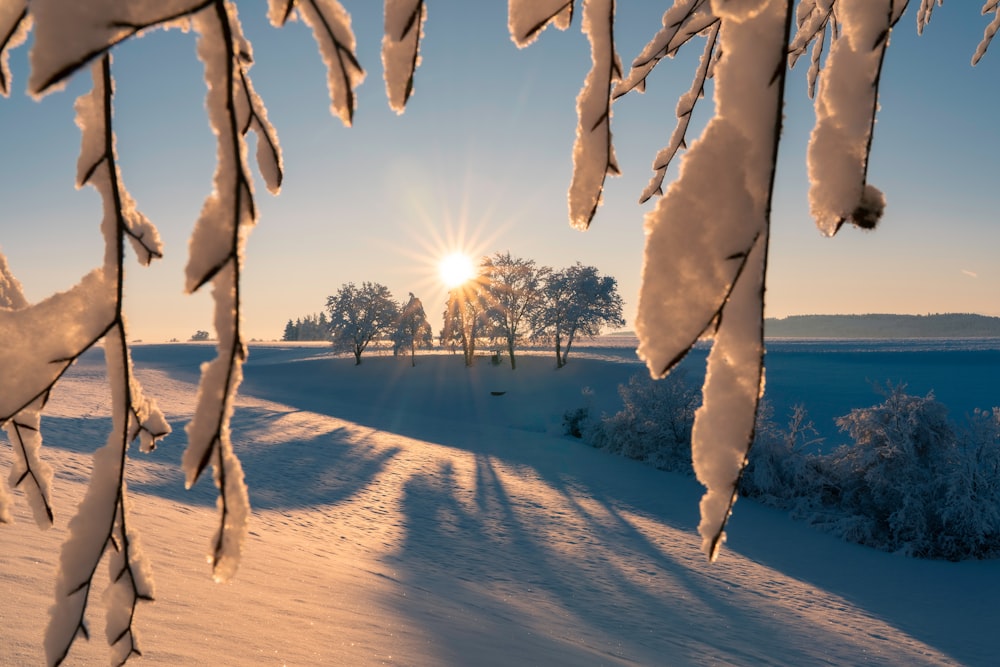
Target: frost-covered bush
x: 970, y: 509
x: 576, y: 421
x: 911, y: 481
x: 654, y: 424
x: 781, y: 464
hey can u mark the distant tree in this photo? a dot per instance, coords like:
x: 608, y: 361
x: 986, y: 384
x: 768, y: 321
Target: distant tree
x: 200, y: 335
x: 412, y: 329
x: 576, y: 301
x: 360, y: 314
x: 512, y: 287
x: 465, y: 318
x: 310, y: 327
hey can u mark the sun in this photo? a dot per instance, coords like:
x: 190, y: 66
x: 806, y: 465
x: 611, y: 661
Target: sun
x: 456, y: 269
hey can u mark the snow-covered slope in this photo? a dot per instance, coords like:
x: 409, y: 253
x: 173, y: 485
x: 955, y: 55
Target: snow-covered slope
x: 410, y: 516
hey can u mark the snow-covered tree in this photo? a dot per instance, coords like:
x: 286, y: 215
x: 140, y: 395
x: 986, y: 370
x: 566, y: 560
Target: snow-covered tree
x: 359, y: 315
x: 412, y: 329
x: 465, y: 317
x: 512, y: 287
x: 576, y: 301
x: 310, y: 327
x: 706, y: 244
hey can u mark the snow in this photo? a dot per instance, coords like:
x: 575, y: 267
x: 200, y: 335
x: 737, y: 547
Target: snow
x: 706, y: 252
x: 407, y: 516
x: 331, y: 26
x: 845, y: 113
x: 989, y: 31
x: 593, y: 152
x: 404, y: 28
x: 67, y: 35
x: 14, y: 26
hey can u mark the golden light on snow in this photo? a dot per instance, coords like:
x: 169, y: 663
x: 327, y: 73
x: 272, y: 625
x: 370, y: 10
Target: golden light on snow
x: 455, y: 269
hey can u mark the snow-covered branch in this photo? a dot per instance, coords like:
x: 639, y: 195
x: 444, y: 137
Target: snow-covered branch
x: 708, y: 279
x: 15, y: 22
x: 70, y: 35
x: 216, y: 254
x: 102, y: 517
x: 593, y: 152
x: 685, y: 108
x: 684, y: 20
x: 526, y: 19
x: 990, y: 31
x: 404, y: 28
x: 331, y: 26
x: 845, y: 118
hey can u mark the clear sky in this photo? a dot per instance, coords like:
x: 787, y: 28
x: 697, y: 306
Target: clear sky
x: 481, y: 161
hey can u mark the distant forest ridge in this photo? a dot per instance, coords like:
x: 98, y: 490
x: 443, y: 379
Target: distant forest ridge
x: 950, y: 325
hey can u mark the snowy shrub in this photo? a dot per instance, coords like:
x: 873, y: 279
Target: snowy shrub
x: 888, y: 480
x: 911, y: 481
x: 781, y: 464
x: 576, y: 421
x: 654, y: 424
x: 970, y: 509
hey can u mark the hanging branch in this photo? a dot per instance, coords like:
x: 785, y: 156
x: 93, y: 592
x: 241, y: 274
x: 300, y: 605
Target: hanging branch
x: 526, y: 19
x: 684, y: 20
x: 841, y: 141
x: 685, y: 108
x: 924, y: 13
x: 705, y: 260
x: 216, y: 254
x: 15, y: 23
x: 252, y: 116
x: 404, y: 28
x: 990, y: 31
x: 593, y: 152
x: 70, y: 35
x: 331, y: 26
x: 812, y: 23
x: 30, y: 472
x: 102, y: 518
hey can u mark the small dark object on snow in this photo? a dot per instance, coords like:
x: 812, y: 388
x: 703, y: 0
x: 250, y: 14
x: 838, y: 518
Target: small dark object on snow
x: 497, y: 393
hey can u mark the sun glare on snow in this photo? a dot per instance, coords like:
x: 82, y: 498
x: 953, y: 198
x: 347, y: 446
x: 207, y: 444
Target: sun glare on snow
x: 456, y: 269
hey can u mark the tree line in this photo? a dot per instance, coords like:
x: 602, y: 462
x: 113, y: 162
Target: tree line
x: 510, y: 301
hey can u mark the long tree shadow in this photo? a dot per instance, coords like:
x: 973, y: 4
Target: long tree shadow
x: 563, y: 573
x: 325, y: 468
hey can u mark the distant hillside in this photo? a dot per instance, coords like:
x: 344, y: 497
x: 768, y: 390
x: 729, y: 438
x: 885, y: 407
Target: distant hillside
x: 952, y: 325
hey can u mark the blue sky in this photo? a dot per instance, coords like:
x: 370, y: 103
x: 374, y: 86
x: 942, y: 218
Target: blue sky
x: 481, y: 160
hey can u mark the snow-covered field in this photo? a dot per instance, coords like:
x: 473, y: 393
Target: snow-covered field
x: 410, y: 516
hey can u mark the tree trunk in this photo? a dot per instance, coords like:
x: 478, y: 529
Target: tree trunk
x: 569, y: 344
x: 559, y: 360
x: 413, y: 354
x: 357, y: 355
x: 468, y: 350
x: 510, y: 351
